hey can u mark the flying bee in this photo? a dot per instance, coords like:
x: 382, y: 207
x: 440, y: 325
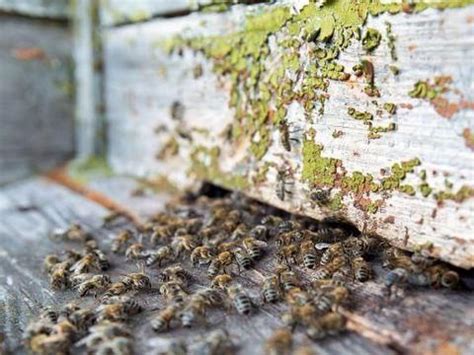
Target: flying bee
x: 333, y: 251
x: 286, y: 135
x: 175, y: 273
x: 74, y: 233
x: 240, y: 300
x: 279, y: 343
x: 254, y: 247
x: 288, y: 254
x: 136, y: 251
x: 50, y: 261
x: 243, y: 259
x: 271, y: 289
x: 308, y: 253
x: 362, y: 269
x: 202, y: 255
x: 329, y: 324
x: 164, y: 253
x: 164, y: 318
x: 283, y: 184
x: 121, y: 241
x: 96, y: 282
x: 184, y: 243
x: 221, y: 281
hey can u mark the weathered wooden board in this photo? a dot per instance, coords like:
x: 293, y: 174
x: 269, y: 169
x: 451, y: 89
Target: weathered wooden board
x: 36, y: 121
x: 143, y: 82
x: 57, y: 9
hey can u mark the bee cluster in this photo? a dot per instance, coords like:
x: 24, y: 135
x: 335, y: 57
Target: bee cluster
x: 209, y: 255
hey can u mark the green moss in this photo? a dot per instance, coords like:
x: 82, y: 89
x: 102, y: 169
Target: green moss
x: 169, y: 149
x: 374, y: 131
x: 407, y: 189
x: 371, y: 39
x: 391, y: 108
x: 464, y: 193
x: 335, y: 203
x: 372, y: 207
x: 391, y: 41
x: 425, y: 189
x: 83, y: 170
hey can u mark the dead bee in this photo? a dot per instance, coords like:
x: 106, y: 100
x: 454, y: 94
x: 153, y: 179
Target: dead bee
x: 183, y: 243
x: 308, y: 254
x: 87, y: 263
x: 136, y: 251
x: 362, y: 269
x: 240, y: 300
x: 175, y: 273
x: 288, y: 254
x: 119, y: 311
x: 164, y: 318
x: 243, y: 259
x: 96, y: 282
x: 73, y: 233
x: 202, y: 255
x: 279, y: 343
x: 271, y: 289
x: 121, y: 241
x: 137, y: 280
x: 329, y: 324
x: 285, y: 135
x: 164, y: 253
x: 282, y: 184
x: 221, y: 281
x: 59, y: 275
x: 254, y: 247
x: 50, y: 261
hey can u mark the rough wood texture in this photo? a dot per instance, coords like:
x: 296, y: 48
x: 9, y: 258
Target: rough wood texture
x: 420, y: 321
x: 57, y: 9
x: 35, y: 96
x: 143, y: 82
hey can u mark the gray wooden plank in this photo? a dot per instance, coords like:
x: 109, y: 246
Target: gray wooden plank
x: 35, y: 96
x: 56, y: 9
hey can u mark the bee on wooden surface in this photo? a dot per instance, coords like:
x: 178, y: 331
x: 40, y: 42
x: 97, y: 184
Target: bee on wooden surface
x: 329, y: 324
x: 175, y: 273
x: 136, y: 251
x: 74, y: 233
x: 59, y: 275
x: 116, y: 289
x: 288, y: 280
x: 87, y: 263
x: 117, y: 345
x: 121, y: 241
x: 271, y: 289
x: 288, y: 254
x: 333, y: 251
x: 259, y: 232
x: 271, y: 220
x: 173, y: 292
x: 279, y: 343
x: 96, y: 282
x: 209, y: 296
x: 308, y: 254
x: 243, y: 259
x: 240, y: 300
x: 49, y: 344
x: 164, y: 318
x: 162, y: 254
x: 102, y: 260
x: 396, y: 258
x: 286, y: 135
x: 288, y: 238
x: 50, y: 261
x: 282, y: 184
x: 326, y: 272
x: 420, y: 262
x: 219, y: 263
x: 193, y: 311
x: 207, y: 233
x: 119, y: 311
x: 221, y: 281
x: 82, y: 319
x: 328, y: 300
x: 102, y: 332
x: 202, y: 255
x: 254, y: 247
x: 295, y: 296
x: 341, y: 276
x: 329, y: 234
x: 362, y: 269
x: 49, y: 314
x: 184, y: 243
x: 137, y: 280
x: 162, y: 234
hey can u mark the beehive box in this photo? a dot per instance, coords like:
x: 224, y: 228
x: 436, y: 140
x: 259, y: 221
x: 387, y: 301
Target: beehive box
x: 377, y: 102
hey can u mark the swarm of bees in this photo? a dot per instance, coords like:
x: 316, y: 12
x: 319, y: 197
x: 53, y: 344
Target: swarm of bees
x: 199, y: 256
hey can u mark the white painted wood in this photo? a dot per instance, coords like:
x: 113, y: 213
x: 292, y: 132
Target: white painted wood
x: 142, y: 82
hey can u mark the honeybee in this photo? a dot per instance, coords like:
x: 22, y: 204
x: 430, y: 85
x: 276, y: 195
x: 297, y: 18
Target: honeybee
x: 82, y: 319
x: 135, y: 251
x: 288, y: 254
x: 164, y: 253
x: 326, y: 301
x: 243, y: 259
x: 259, y: 232
x: 254, y: 247
x: 333, y: 251
x: 116, y: 345
x: 329, y: 324
x: 201, y: 255
x: 173, y: 292
x: 116, y: 289
x: 162, y: 234
x: 164, y: 318
x: 49, y: 314
x: 325, y: 272
x: 59, y: 275
x: 183, y: 243
x: 271, y: 289
x: 282, y: 185
x: 102, y: 260
x: 240, y: 300
x: 308, y: 254
x: 118, y: 311
x: 279, y: 343
x: 362, y: 269
x: 137, y: 281
x: 209, y: 296
x: 121, y: 241
x: 288, y: 280
x: 420, y: 262
x: 175, y: 273
x: 193, y: 310
x: 221, y: 281
x: 395, y: 276
x: 110, y: 218
x: 219, y: 263
x: 87, y: 263
x: 73, y: 233
x: 396, y: 258
x: 96, y: 282
x: 215, y: 342
x: 320, y: 197
x: 441, y: 275
x: 49, y: 344
x: 295, y: 296
x: 50, y: 261
x: 102, y: 332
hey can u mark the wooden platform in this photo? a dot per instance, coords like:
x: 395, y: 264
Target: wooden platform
x: 421, y: 321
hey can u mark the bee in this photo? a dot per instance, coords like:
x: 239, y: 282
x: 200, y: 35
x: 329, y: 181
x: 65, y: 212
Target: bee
x: 328, y: 300
x: 102, y: 260
x: 193, y: 310
x: 254, y: 247
x: 308, y: 254
x: 221, y: 281
x: 96, y: 282
x: 82, y: 319
x: 59, y: 275
x: 115, y: 289
x: 50, y: 261
x: 209, y: 232
x: 288, y: 238
x: 183, y: 243
x: 285, y: 136
x: 282, y: 184
x: 137, y: 281
x: 396, y: 258
x: 115, y: 345
x: 333, y: 251
x: 240, y: 300
x: 119, y: 311
x: 243, y: 259
x: 441, y: 275
x: 329, y: 324
x: 420, y: 262
x: 395, y: 276
x: 164, y: 253
x: 164, y: 318
x: 222, y: 260
x: 288, y: 254
x: 279, y: 343
x: 121, y: 241
x: 362, y: 269
x: 175, y: 273
x: 73, y: 233
x: 136, y: 251
x: 162, y: 234
x: 259, y: 232
x: 110, y: 218
x: 288, y: 280
x: 49, y: 314
x: 87, y: 263
x: 320, y: 197
x: 271, y: 289
x: 326, y: 272
x: 173, y: 292
x: 215, y: 342
x: 102, y: 332
x: 201, y: 255
x: 295, y: 296
x: 209, y: 296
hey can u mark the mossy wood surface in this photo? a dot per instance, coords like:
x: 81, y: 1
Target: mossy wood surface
x: 207, y: 96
